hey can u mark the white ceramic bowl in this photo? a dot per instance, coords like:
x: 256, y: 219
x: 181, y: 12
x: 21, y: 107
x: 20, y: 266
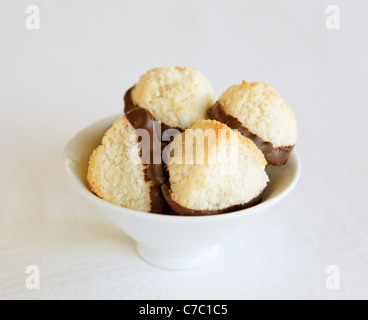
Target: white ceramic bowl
x: 171, y: 242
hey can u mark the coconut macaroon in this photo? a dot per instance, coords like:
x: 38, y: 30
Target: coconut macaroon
x: 258, y: 112
x: 175, y: 96
x: 213, y: 169
x: 117, y: 172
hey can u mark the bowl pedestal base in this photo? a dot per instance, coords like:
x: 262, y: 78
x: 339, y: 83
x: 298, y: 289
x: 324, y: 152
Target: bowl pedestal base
x: 177, y: 260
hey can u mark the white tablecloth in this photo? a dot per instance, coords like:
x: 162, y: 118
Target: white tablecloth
x: 75, y: 70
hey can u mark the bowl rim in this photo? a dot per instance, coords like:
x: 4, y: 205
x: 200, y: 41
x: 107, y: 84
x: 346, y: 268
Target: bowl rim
x: 167, y: 217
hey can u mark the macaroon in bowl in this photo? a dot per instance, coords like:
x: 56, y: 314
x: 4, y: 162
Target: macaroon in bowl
x: 175, y: 242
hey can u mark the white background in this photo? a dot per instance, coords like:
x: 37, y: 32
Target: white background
x: 75, y: 70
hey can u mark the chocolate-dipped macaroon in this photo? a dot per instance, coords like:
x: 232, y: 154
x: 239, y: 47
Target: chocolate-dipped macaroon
x: 222, y: 173
x: 125, y: 172
x: 174, y: 96
x: 257, y: 111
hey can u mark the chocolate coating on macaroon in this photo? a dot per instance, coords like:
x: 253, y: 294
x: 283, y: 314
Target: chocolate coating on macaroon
x: 274, y: 156
x: 142, y: 119
x: 182, y: 211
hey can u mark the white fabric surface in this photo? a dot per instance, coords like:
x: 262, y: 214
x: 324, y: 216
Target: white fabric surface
x: 75, y: 70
